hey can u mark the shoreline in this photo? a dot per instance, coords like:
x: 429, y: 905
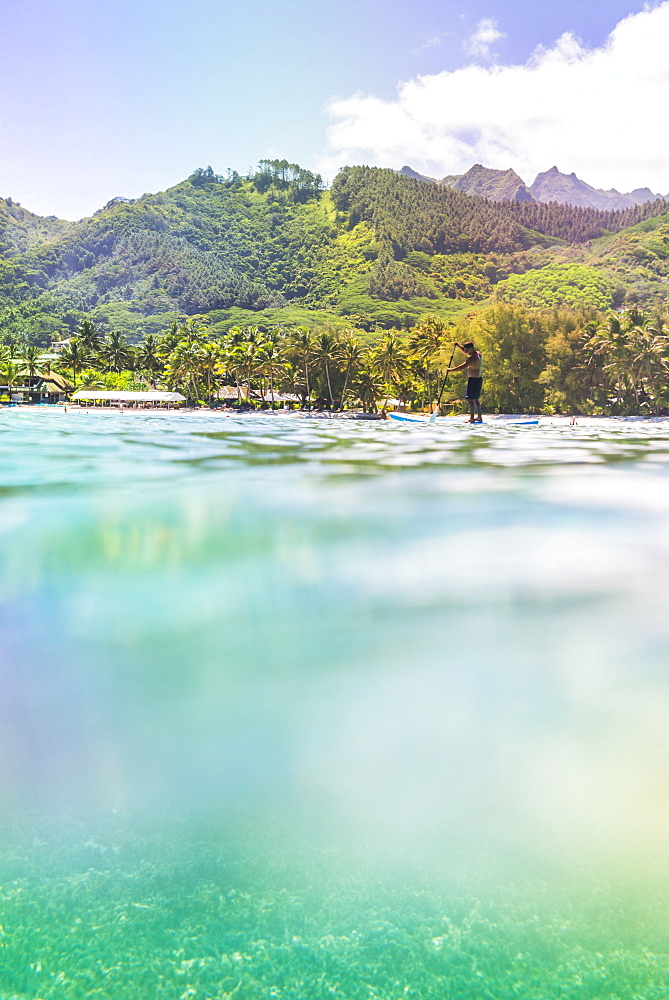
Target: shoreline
x: 352, y: 415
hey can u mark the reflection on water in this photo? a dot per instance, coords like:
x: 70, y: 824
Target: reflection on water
x: 395, y: 643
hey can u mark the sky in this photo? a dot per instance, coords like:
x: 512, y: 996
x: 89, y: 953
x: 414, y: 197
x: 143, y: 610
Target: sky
x: 100, y: 98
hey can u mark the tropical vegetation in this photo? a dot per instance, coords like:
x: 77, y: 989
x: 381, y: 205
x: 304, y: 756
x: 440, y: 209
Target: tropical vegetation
x: 270, y: 284
x: 550, y: 361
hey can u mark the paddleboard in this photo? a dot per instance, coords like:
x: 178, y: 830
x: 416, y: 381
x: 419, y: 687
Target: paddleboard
x: 415, y: 418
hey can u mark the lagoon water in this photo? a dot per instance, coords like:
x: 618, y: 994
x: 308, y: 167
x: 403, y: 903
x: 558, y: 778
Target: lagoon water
x: 401, y: 690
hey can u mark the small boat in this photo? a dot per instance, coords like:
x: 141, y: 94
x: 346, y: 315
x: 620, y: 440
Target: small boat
x: 412, y: 418
x: 516, y: 421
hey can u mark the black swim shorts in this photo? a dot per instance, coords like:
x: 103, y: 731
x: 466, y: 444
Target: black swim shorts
x: 473, y: 388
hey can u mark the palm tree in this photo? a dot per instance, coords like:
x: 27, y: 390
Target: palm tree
x: 234, y: 336
x: 73, y: 357
x: 327, y: 351
x: 249, y: 350
x: 303, y: 346
x: 390, y: 359
x: 231, y: 362
x: 629, y: 360
x: 406, y: 391
x: 90, y: 379
x: 425, y: 345
x: 617, y: 347
x: 193, y: 331
x: 30, y: 359
x: 89, y: 336
x: 116, y: 353
x: 370, y: 386
x: 270, y: 360
x: 352, y: 354
x: 169, y: 340
x: 10, y: 372
x: 148, y: 358
x: 184, y: 365
x: 649, y: 362
x: 11, y: 343
x: 293, y: 380
x: 594, y: 348
x: 210, y: 356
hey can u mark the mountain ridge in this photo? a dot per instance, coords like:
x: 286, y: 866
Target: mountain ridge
x: 378, y: 249
x: 498, y: 185
x: 549, y: 185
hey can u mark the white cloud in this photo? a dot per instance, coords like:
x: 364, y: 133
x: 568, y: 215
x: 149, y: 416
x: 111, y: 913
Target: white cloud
x: 598, y: 112
x: 430, y: 43
x: 485, y: 35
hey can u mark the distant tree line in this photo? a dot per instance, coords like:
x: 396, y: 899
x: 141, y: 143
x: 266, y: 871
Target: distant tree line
x: 300, y: 184
x: 577, y: 225
x: 556, y: 361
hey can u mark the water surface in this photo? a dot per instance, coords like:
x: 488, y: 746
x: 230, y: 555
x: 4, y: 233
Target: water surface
x: 374, y: 676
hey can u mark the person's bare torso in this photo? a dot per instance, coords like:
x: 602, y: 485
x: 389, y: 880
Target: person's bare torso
x: 474, y: 365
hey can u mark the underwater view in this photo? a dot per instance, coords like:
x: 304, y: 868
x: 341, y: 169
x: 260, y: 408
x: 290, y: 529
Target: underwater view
x: 302, y: 708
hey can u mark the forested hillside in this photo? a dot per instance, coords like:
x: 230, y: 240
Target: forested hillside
x: 379, y: 250
x: 416, y: 215
x: 20, y: 229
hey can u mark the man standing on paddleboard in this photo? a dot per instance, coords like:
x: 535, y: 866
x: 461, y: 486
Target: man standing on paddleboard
x: 474, y: 366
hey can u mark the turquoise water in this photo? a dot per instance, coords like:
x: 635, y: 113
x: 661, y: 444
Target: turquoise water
x: 403, y: 682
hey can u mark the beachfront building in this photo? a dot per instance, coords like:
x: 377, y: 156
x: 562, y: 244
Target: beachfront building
x: 230, y: 394
x: 56, y: 346
x: 285, y: 399
x: 46, y: 388
x: 151, y: 399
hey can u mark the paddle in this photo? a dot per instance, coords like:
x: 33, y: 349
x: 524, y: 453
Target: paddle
x: 433, y: 415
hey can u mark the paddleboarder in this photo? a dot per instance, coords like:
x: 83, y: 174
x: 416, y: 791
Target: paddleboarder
x: 474, y: 367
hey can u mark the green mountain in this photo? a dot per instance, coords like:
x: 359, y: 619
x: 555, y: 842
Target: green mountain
x: 20, y: 229
x: 379, y: 249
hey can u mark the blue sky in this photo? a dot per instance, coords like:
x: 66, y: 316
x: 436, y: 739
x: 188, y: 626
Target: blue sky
x: 110, y: 97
